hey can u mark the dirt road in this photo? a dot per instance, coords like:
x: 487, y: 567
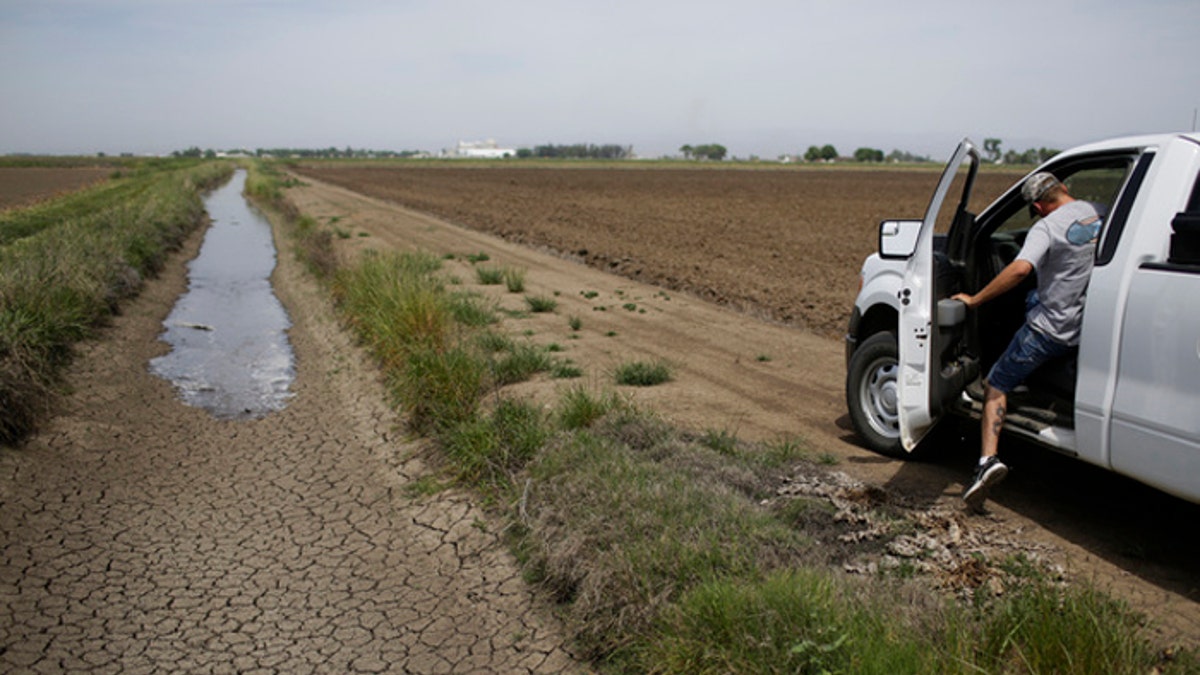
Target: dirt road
x: 780, y: 243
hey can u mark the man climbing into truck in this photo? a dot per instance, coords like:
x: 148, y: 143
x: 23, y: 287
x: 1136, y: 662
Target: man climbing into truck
x: 1060, y: 248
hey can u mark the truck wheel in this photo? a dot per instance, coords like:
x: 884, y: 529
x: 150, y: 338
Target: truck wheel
x: 872, y: 393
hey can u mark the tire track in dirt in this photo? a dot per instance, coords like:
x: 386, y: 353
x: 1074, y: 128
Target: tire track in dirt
x: 139, y: 535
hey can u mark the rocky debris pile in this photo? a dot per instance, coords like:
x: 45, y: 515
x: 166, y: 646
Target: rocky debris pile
x: 886, y: 533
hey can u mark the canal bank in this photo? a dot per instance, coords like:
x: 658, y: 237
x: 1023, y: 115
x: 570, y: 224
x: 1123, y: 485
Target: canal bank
x: 140, y: 534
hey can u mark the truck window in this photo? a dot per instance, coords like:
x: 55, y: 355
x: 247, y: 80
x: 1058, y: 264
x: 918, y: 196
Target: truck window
x: 1119, y: 213
x: 945, y: 216
x: 1098, y: 184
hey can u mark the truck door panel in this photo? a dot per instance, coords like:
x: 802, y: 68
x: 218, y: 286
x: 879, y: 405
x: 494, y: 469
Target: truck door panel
x: 926, y: 385
x: 1155, y: 430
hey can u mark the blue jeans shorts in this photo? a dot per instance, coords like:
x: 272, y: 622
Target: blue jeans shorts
x: 1028, y: 350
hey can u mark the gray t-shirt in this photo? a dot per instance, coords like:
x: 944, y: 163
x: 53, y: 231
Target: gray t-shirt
x: 1061, y: 247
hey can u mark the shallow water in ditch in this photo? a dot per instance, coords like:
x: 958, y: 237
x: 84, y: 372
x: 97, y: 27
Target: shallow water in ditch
x: 230, y: 352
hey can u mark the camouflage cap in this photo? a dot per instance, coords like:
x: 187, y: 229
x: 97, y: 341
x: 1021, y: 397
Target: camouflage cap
x: 1037, y: 185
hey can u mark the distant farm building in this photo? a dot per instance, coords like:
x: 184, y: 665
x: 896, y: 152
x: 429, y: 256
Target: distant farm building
x: 481, y: 150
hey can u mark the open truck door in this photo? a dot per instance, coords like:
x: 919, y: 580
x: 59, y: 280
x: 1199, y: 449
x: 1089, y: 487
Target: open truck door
x: 923, y: 391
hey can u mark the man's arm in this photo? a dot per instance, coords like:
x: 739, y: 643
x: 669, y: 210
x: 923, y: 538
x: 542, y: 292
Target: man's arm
x: 1008, y: 279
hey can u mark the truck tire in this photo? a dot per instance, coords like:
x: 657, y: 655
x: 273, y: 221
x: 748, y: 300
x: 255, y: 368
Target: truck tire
x: 872, y: 394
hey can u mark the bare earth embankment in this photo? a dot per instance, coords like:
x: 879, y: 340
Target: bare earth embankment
x: 779, y: 245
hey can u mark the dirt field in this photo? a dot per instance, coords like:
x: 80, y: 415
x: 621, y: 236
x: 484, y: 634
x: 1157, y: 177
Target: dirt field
x: 762, y: 380
x: 23, y: 186
x: 783, y: 244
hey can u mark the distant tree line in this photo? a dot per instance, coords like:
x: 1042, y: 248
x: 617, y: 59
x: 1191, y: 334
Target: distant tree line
x: 991, y: 148
x: 306, y: 153
x: 194, y: 152
x: 906, y: 157
x: 828, y: 153
x: 868, y: 155
x: 1030, y: 156
x: 578, y: 151
x: 992, y: 152
x: 825, y: 153
x: 333, y: 153
x: 713, y: 151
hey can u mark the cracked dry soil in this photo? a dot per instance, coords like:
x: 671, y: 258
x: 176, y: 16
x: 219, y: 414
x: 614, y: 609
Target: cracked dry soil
x: 138, y: 535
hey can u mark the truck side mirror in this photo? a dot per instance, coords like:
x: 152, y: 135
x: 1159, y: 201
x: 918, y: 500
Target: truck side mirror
x: 898, y: 238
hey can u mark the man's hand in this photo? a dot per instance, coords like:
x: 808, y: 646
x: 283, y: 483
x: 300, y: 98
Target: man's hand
x: 1004, y: 282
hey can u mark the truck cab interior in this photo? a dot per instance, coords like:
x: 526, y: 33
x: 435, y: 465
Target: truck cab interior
x: 978, y: 248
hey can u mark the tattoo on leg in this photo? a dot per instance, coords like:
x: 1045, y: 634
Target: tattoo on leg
x: 999, y: 422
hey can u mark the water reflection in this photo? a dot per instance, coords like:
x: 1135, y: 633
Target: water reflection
x: 230, y: 353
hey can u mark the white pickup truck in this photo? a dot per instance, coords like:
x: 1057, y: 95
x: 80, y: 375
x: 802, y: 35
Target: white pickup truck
x: 1129, y: 400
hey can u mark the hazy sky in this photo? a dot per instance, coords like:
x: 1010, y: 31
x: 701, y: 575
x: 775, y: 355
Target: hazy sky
x: 761, y: 77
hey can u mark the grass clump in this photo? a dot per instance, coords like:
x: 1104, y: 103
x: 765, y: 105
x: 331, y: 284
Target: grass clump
x: 579, y: 408
x: 491, y: 342
x: 793, y: 621
x: 642, y: 373
x: 519, y: 363
x: 469, y: 309
x: 723, y: 441
x: 782, y: 451
x: 540, y: 303
x: 489, y: 276
x: 565, y: 370
x: 396, y: 304
x: 1040, y: 628
x: 440, y: 389
x: 514, y: 280
x: 489, y: 450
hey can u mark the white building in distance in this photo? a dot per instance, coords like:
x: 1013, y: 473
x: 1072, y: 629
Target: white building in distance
x: 481, y: 150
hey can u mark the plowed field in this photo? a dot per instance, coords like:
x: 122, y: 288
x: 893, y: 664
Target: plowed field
x: 783, y: 243
x: 21, y: 186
